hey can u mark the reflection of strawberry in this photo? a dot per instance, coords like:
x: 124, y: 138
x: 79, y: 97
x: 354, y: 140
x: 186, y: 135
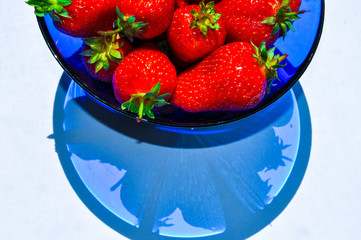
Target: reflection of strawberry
x: 195, y: 32
x: 156, y: 13
x: 143, y: 79
x: 101, y: 55
x: 78, y: 18
x: 260, y: 20
x: 234, y: 77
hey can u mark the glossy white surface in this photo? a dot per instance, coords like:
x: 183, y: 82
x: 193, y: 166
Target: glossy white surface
x: 37, y: 201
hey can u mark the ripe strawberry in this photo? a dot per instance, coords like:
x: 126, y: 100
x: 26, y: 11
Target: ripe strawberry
x: 195, y: 32
x: 205, y: 1
x: 102, y: 55
x: 181, y: 3
x: 138, y: 78
x: 256, y: 21
x: 78, y: 18
x: 157, y: 14
x: 234, y: 77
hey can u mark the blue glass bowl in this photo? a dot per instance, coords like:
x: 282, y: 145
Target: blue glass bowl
x: 299, y: 45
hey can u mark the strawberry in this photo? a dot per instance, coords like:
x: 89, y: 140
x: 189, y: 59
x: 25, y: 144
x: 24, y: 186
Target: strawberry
x: 144, y: 78
x: 234, y: 77
x: 181, y: 3
x: 102, y: 55
x: 154, y: 16
x: 256, y: 21
x: 195, y: 32
x: 205, y: 1
x: 78, y: 18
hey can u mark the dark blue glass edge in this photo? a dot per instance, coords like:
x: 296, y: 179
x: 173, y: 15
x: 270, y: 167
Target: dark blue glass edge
x: 301, y: 69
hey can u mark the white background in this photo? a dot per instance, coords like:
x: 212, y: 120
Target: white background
x: 37, y: 202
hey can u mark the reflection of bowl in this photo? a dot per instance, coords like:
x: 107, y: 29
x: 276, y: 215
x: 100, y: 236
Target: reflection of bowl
x: 299, y: 45
x: 221, y: 182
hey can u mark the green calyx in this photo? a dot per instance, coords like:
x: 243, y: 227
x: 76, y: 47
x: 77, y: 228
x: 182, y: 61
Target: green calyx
x: 126, y: 26
x: 282, y: 22
x: 102, y: 49
x: 143, y: 103
x: 269, y: 61
x: 205, y: 18
x: 55, y: 8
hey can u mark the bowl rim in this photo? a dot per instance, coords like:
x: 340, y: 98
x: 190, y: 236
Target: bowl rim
x: 264, y: 103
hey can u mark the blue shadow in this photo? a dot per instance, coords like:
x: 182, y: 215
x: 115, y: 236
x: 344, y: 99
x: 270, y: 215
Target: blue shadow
x: 153, y: 182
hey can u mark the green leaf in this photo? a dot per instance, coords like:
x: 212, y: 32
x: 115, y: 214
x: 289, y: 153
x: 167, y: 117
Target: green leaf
x: 269, y: 20
x: 210, y: 5
x: 139, y: 25
x: 33, y: 2
x: 93, y: 59
x: 163, y: 96
x: 285, y: 3
x: 99, y: 66
x: 193, y: 24
x: 126, y: 105
x: 284, y: 30
x: 40, y: 13
x: 106, y: 64
x: 64, y: 2
x: 276, y: 29
x: 149, y: 113
x: 271, y: 53
x: 202, y: 5
x: 116, y: 54
x: 161, y: 103
x: 61, y: 11
x: 263, y: 51
x: 87, y: 53
x: 217, y: 16
x: 118, y: 11
x: 119, y: 23
x: 91, y: 41
x: 54, y: 17
x: 134, y: 109
x: 96, y: 47
x: 43, y: 7
x: 194, y: 12
x: 290, y: 26
x: 131, y: 19
x: 155, y: 90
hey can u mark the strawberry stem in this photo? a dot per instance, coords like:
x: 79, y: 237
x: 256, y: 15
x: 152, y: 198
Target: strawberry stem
x: 141, y: 108
x: 143, y: 103
x: 126, y: 25
x: 55, y: 8
x: 102, y: 50
x: 205, y: 18
x: 110, y: 32
x: 283, y: 19
x: 269, y: 61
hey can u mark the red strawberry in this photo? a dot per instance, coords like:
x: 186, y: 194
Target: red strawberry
x: 205, y: 1
x: 138, y: 78
x: 157, y: 14
x: 256, y: 21
x: 78, y: 18
x: 102, y: 55
x: 181, y: 3
x: 195, y: 32
x: 234, y: 77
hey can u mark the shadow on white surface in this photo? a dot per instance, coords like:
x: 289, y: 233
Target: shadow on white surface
x: 153, y: 182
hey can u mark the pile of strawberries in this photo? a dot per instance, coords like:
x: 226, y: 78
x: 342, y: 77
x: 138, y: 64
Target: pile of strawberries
x: 199, y: 56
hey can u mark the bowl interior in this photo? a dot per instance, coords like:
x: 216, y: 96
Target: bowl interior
x: 300, y: 46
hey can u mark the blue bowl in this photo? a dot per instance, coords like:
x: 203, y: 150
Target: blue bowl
x: 299, y: 45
